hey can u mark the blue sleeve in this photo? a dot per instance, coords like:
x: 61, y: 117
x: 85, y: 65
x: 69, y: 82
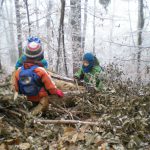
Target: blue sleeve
x: 45, y: 63
x: 20, y: 61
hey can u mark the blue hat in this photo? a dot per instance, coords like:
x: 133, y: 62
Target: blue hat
x: 34, y: 39
x: 90, y: 58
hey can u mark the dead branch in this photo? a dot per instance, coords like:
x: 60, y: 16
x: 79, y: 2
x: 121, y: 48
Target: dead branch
x: 10, y: 111
x: 58, y: 77
x: 73, y: 93
x: 65, y: 122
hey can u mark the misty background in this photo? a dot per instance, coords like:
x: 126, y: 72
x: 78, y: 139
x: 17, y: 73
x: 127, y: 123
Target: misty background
x: 116, y: 31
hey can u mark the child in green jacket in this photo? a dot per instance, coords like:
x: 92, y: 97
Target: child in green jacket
x: 90, y: 70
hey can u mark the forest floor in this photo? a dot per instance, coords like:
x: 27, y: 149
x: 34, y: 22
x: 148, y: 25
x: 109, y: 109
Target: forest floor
x: 115, y: 119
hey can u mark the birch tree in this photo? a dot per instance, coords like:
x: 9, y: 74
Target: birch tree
x: 37, y: 17
x: 1, y: 4
x: 139, y: 37
x: 84, y: 24
x: 28, y: 16
x: 10, y: 34
x: 48, y: 34
x: 77, y: 51
x: 61, y: 40
x: 19, y: 27
x: 94, y: 28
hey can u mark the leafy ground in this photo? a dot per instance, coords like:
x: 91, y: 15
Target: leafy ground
x: 122, y: 112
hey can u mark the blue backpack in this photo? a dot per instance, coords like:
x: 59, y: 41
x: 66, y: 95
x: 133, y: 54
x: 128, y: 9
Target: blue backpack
x: 29, y: 82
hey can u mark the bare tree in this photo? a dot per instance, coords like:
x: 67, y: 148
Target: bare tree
x: 19, y: 28
x: 77, y: 51
x: 139, y: 37
x: 28, y: 16
x: 94, y: 28
x: 48, y: 34
x: 61, y: 39
x: 10, y: 35
x: 37, y: 16
x: 1, y: 4
x: 84, y: 24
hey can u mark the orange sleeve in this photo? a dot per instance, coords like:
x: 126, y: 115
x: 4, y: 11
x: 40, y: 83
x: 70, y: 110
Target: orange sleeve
x: 17, y: 79
x: 46, y: 80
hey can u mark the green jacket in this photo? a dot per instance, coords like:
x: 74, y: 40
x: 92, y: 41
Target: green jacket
x: 91, y: 77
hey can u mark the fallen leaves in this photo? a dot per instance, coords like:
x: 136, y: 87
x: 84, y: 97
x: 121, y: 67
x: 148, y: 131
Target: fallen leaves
x: 122, y: 111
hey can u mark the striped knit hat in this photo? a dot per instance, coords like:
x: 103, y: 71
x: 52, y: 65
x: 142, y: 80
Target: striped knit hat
x: 33, y: 50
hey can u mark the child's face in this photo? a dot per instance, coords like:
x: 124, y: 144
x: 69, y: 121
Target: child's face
x: 85, y: 63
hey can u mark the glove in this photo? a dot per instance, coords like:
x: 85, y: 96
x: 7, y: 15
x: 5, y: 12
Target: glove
x: 59, y: 93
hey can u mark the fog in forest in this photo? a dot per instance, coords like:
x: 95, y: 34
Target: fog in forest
x: 108, y: 28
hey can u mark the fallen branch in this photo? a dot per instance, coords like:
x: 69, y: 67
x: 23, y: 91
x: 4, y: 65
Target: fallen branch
x: 65, y: 122
x: 58, y: 77
x: 10, y: 111
x: 73, y: 93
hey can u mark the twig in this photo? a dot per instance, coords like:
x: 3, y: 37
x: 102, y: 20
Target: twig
x: 65, y: 122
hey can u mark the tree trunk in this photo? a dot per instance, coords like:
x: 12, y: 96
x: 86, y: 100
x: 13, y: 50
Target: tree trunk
x: 63, y: 37
x: 37, y: 17
x: 112, y: 22
x: 61, y: 40
x: 28, y: 16
x: 0, y: 64
x: 84, y: 24
x: 0, y: 28
x: 94, y: 28
x: 10, y: 34
x: 19, y: 28
x: 139, y: 37
x: 49, y: 34
x: 77, y: 51
x: 59, y: 45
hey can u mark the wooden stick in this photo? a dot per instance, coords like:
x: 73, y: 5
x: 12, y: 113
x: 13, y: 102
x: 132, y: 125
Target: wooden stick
x: 58, y: 77
x: 77, y: 85
x: 65, y: 122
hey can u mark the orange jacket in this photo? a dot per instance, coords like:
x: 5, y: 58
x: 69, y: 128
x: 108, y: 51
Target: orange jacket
x: 46, y: 80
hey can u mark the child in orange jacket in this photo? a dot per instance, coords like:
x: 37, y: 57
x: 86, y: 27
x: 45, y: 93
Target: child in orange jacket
x: 34, y: 81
